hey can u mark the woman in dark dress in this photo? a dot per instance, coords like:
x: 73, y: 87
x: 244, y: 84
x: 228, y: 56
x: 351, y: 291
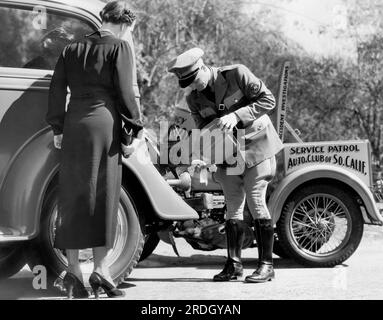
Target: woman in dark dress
x: 101, y: 75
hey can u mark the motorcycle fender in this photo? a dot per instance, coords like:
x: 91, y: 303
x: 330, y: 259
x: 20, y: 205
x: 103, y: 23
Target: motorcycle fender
x: 297, y: 178
x: 167, y: 204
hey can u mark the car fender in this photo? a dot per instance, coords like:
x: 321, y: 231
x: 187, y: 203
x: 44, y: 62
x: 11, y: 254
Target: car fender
x: 328, y: 172
x: 36, y: 164
x: 157, y: 189
x: 23, y: 188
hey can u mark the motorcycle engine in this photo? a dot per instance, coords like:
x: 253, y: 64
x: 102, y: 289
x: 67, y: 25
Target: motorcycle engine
x: 209, y: 234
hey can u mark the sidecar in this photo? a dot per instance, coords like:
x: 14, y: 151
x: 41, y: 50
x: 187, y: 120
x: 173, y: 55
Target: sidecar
x: 323, y: 195
x: 323, y: 200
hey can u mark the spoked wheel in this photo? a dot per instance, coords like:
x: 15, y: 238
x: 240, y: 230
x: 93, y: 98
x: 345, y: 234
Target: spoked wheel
x: 122, y: 258
x: 321, y: 226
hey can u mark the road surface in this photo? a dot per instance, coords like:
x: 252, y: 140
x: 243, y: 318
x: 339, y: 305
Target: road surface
x: 165, y: 276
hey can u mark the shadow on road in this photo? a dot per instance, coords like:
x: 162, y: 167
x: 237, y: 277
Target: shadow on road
x: 203, y: 261
x: 169, y: 280
x: 200, y: 261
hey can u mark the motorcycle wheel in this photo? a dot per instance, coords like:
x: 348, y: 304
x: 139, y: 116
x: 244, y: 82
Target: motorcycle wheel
x: 12, y: 259
x: 321, y: 225
x: 122, y: 258
x: 151, y: 242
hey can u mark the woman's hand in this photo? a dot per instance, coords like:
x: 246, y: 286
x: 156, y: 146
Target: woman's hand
x: 130, y: 149
x: 127, y: 150
x: 133, y: 146
x: 57, y: 141
x: 228, y: 122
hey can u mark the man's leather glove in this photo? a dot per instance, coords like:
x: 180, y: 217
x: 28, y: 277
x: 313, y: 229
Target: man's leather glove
x: 228, y: 122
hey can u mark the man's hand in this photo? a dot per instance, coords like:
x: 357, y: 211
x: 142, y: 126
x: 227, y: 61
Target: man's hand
x: 228, y: 122
x: 57, y: 141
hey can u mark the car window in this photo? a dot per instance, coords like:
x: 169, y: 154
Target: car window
x: 35, y: 38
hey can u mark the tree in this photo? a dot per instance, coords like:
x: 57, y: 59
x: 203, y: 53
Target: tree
x: 319, y: 94
x: 367, y: 104
x: 221, y: 28
x: 338, y: 98
x: 330, y: 98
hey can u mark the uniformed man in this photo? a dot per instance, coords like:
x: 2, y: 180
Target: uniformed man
x: 238, y: 98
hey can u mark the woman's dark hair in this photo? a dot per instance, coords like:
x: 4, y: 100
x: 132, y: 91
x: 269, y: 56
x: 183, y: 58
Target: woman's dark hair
x: 117, y: 12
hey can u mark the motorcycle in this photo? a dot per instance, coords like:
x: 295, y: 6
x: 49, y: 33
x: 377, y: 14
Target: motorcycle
x: 196, y: 185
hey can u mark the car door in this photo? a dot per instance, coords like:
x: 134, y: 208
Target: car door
x: 30, y: 42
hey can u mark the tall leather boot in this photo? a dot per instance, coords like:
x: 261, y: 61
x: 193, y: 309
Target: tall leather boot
x: 265, y: 271
x: 235, y: 234
x: 257, y: 231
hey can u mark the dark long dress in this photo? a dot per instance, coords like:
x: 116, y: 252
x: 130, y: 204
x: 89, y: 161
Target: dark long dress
x: 100, y: 73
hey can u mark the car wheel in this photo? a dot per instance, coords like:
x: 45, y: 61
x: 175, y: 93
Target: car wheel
x: 278, y: 248
x: 151, y: 242
x: 122, y: 258
x: 320, y: 226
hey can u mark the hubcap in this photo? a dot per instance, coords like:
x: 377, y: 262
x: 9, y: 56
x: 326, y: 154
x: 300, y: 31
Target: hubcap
x: 86, y: 255
x: 320, y: 225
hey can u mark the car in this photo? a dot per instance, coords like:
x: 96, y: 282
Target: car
x: 32, y: 37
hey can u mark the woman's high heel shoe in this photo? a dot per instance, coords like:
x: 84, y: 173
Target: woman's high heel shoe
x: 96, y: 281
x: 74, y: 287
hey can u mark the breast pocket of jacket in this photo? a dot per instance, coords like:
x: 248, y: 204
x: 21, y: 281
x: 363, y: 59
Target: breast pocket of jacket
x: 233, y: 99
x: 207, y: 112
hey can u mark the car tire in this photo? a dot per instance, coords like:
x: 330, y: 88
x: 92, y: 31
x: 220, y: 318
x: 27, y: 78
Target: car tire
x: 12, y: 259
x: 306, y: 228
x: 123, y: 257
x: 278, y: 248
x: 151, y: 242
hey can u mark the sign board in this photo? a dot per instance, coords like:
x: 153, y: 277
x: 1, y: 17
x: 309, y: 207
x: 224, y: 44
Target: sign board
x: 354, y: 156
x: 282, y: 99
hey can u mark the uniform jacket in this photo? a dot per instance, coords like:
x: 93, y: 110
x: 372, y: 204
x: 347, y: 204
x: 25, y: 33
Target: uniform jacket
x: 115, y: 78
x: 238, y: 90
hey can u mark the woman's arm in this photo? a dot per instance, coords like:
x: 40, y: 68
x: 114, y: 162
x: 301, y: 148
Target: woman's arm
x: 125, y: 83
x: 57, y: 97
